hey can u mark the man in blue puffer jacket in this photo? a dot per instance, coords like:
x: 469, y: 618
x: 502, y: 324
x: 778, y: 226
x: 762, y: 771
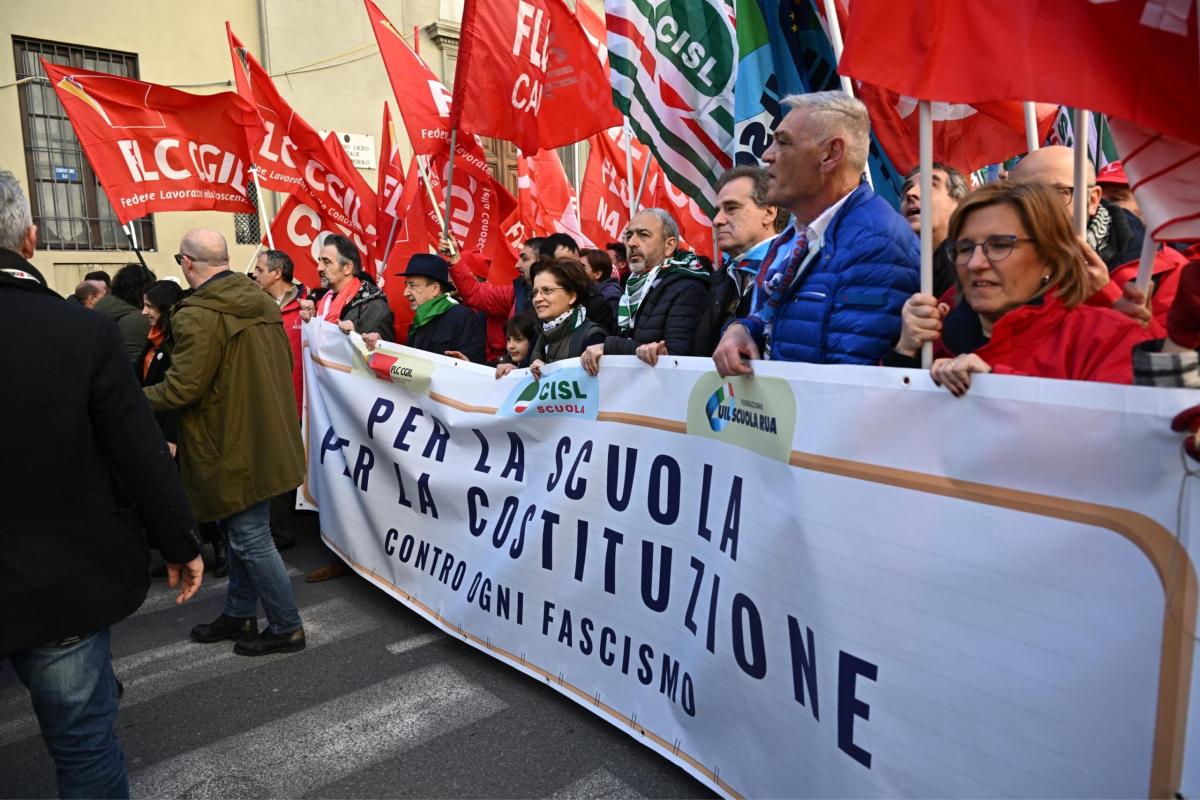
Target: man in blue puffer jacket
x: 831, y: 287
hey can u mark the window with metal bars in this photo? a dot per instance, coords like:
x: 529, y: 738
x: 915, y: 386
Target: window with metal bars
x: 69, y: 205
x: 245, y: 226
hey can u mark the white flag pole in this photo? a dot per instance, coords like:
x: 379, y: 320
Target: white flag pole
x: 925, y: 122
x: 629, y: 164
x: 262, y: 212
x: 1031, y: 127
x: 1146, y: 264
x: 835, y: 38
x: 449, y: 183
x: 637, y: 200
x: 1080, y: 125
x: 433, y: 202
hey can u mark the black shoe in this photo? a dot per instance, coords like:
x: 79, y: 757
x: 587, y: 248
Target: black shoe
x: 269, y: 643
x: 224, y: 627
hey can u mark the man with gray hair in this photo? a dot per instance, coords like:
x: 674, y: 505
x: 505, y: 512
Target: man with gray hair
x: 239, y: 436
x: 831, y: 286
x: 744, y: 226
x: 948, y: 187
x: 661, y: 304
x: 71, y: 570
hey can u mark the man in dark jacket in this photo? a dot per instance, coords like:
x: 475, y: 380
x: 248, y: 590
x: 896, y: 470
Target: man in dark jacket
x: 353, y: 301
x: 440, y: 324
x: 745, y: 225
x: 832, y: 285
x: 239, y: 437
x: 133, y: 326
x: 663, y: 298
x: 69, y: 570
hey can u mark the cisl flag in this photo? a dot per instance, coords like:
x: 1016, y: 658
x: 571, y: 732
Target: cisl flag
x: 295, y: 159
x: 155, y: 148
x: 1133, y: 59
x: 526, y: 73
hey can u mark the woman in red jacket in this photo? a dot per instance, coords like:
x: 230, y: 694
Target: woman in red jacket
x: 1022, y: 276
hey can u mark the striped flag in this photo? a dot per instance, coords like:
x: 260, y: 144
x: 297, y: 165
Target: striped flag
x: 673, y: 68
x: 1164, y: 174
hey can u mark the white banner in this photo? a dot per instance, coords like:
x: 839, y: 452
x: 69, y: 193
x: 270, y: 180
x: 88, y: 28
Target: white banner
x: 816, y: 582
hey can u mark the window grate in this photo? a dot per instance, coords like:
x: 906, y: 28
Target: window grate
x: 245, y: 226
x: 68, y: 204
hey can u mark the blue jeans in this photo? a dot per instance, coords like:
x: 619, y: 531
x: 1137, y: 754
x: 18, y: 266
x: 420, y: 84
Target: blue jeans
x: 75, y: 697
x: 256, y: 571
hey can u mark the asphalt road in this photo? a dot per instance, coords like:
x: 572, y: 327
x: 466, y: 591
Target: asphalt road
x: 380, y: 704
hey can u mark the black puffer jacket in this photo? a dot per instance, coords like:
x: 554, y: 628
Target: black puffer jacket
x: 370, y: 312
x: 669, y: 312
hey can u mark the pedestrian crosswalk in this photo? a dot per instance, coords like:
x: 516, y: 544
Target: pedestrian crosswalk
x: 375, y: 691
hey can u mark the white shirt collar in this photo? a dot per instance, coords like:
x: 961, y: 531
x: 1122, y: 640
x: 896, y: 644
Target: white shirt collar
x: 815, y: 230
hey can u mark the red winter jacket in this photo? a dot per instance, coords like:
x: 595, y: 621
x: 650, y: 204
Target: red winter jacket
x: 494, y: 300
x: 290, y: 311
x: 1167, y: 263
x: 1048, y: 340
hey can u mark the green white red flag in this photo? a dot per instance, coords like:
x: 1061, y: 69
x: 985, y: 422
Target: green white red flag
x: 673, y: 68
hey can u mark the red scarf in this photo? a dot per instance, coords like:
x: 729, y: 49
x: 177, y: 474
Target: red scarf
x: 335, y: 303
x: 157, y: 335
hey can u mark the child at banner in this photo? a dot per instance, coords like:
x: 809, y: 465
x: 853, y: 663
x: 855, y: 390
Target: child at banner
x: 1023, y: 277
x: 520, y: 332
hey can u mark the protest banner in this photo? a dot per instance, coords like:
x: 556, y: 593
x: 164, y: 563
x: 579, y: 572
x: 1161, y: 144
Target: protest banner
x: 816, y: 581
x: 155, y: 148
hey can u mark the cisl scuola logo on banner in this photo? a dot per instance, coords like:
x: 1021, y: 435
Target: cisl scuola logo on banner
x: 569, y: 392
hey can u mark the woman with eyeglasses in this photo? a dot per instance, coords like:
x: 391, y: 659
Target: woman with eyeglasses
x: 1022, y: 278
x: 560, y: 296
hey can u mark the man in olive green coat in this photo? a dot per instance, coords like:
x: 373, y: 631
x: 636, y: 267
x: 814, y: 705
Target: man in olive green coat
x: 239, y: 439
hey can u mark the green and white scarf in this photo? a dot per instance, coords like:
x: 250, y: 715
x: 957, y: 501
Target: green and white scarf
x: 639, y: 284
x: 432, y: 309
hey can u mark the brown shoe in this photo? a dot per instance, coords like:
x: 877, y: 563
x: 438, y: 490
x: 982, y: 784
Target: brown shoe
x: 334, y: 569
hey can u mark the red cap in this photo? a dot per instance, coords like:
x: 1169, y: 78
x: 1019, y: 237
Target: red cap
x: 1113, y: 173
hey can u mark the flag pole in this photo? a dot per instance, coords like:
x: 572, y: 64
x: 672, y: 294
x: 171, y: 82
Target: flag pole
x: 1146, y: 264
x: 1031, y: 127
x: 629, y: 164
x: 1079, y: 123
x: 128, y: 229
x: 258, y: 198
x: 387, y: 247
x: 925, y: 122
x: 835, y: 38
x: 437, y: 212
x: 637, y: 201
x: 449, y: 183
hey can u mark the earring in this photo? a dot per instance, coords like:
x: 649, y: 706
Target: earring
x: 1045, y: 279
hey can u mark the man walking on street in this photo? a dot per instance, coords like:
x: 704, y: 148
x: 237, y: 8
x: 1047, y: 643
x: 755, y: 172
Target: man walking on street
x: 68, y: 570
x: 239, y: 438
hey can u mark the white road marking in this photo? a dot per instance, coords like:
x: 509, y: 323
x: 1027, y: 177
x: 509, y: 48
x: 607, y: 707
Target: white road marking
x: 600, y: 785
x: 413, y: 642
x: 296, y: 755
x: 153, y: 673
x: 162, y: 596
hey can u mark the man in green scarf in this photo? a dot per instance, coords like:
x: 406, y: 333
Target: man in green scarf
x: 440, y: 324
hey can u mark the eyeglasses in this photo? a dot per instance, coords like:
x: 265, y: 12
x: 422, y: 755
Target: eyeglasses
x: 1067, y: 192
x: 995, y: 248
x: 179, y: 257
x: 547, y: 291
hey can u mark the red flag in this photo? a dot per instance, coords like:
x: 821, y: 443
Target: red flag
x: 295, y: 159
x: 1164, y: 174
x: 604, y: 195
x: 594, y: 29
x: 423, y: 100
x: 155, y: 148
x: 389, y: 191
x: 546, y: 199
x: 1133, y: 60
x: 604, y: 201
x: 526, y: 73
x: 964, y: 136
